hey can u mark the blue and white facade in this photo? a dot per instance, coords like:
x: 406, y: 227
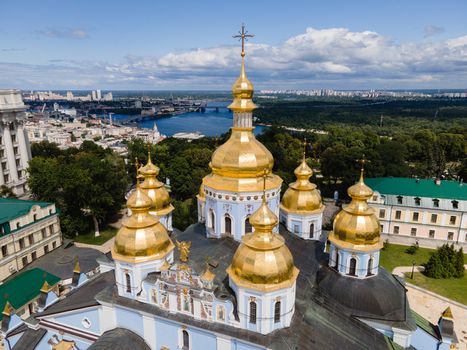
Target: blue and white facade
x: 354, y: 263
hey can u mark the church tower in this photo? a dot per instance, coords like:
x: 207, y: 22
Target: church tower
x: 355, y: 239
x: 142, y: 245
x: 156, y: 191
x: 263, y: 275
x: 233, y: 190
x: 301, y: 209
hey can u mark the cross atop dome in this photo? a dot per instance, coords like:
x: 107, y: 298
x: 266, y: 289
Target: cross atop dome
x: 243, y: 36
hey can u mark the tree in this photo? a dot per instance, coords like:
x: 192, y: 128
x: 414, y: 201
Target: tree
x: 6, y: 192
x: 445, y: 263
x: 460, y: 270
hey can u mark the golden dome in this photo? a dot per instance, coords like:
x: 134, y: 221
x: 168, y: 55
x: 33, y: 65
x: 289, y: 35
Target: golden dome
x: 142, y: 237
x: 155, y: 189
x: 242, y: 91
x: 302, y: 196
x: 263, y: 261
x: 356, y: 226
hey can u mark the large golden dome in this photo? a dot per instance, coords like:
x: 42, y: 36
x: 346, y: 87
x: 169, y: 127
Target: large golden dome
x: 356, y: 226
x: 238, y: 165
x: 142, y: 237
x: 155, y: 189
x: 302, y: 197
x: 263, y: 261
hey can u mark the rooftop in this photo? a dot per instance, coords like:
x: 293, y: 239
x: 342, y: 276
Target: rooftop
x: 25, y: 287
x: 11, y: 208
x: 405, y: 186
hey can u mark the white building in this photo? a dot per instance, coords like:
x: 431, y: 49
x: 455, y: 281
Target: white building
x: 430, y: 212
x: 28, y: 230
x: 15, y: 151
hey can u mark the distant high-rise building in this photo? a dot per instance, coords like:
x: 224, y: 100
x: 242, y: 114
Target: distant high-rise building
x: 98, y: 95
x: 15, y: 152
x: 69, y: 96
x: 93, y: 95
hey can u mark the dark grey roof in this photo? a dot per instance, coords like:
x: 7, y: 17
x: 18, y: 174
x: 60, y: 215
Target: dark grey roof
x: 119, y: 339
x: 60, y: 262
x: 30, y: 338
x: 83, y: 296
x: 381, y: 297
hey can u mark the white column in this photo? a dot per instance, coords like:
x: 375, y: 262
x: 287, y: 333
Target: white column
x: 23, y: 149
x: 10, y: 154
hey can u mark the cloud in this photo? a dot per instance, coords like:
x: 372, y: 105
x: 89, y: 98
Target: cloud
x: 331, y: 58
x: 431, y: 30
x: 11, y: 49
x: 64, y: 33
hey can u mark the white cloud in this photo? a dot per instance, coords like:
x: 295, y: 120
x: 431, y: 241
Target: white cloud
x: 334, y: 57
x: 64, y: 33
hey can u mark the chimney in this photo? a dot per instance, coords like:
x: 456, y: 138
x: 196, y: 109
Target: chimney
x: 438, y: 181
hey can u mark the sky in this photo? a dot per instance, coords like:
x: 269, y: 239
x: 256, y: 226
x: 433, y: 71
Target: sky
x: 188, y: 45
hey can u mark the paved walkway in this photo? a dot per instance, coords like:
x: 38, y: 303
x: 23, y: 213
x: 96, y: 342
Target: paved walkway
x: 104, y: 248
x: 430, y: 305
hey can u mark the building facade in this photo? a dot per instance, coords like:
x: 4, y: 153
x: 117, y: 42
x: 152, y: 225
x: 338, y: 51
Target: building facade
x: 28, y: 230
x: 15, y: 152
x: 430, y: 212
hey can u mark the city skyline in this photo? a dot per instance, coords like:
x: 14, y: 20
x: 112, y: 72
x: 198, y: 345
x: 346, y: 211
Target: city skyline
x: 186, y: 46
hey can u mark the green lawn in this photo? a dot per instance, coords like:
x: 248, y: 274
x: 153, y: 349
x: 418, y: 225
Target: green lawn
x: 394, y: 255
x: 452, y: 288
x: 106, y: 234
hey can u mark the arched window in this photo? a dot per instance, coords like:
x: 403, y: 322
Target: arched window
x: 277, y: 311
x: 211, y: 213
x: 370, y: 267
x: 248, y: 227
x: 252, y: 312
x: 228, y: 224
x: 186, y: 340
x: 312, y: 230
x: 353, y: 266
x: 128, y: 283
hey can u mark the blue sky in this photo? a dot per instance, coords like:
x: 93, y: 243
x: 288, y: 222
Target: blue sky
x: 188, y: 45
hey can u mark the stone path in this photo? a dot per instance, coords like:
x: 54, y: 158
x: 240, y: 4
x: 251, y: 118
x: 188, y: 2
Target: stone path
x: 430, y: 305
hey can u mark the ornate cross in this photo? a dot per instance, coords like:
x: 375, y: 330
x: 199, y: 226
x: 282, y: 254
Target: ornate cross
x: 362, y: 161
x: 243, y: 35
x: 304, y: 148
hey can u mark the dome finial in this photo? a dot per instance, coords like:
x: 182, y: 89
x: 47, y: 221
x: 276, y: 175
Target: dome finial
x: 304, y: 149
x: 243, y: 36
x: 265, y: 175
x: 362, y: 162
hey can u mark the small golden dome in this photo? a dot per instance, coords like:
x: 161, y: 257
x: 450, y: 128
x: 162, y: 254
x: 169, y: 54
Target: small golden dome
x: 242, y: 91
x: 263, y: 261
x: 142, y: 237
x: 302, y: 196
x: 155, y: 189
x: 356, y: 226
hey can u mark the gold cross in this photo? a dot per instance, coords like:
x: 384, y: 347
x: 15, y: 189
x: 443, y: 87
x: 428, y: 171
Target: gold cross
x: 243, y: 35
x: 362, y: 162
x: 304, y: 148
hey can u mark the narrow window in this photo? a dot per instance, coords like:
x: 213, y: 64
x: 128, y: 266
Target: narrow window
x: 46, y: 249
x: 353, y: 266
x: 382, y: 213
x: 4, y: 250
x: 370, y: 267
x: 431, y: 233
x: 399, y: 199
x: 396, y: 230
x: 277, y: 312
x: 337, y: 260
x: 128, y: 283
x: 398, y: 214
x: 450, y: 236
x: 186, y: 340
x: 312, y: 230
x: 436, y: 203
x: 228, y: 224
x: 248, y: 227
x: 417, y: 201
x: 252, y: 312
x: 413, y: 231
x: 415, y: 216
x: 212, y: 218
x: 434, y: 218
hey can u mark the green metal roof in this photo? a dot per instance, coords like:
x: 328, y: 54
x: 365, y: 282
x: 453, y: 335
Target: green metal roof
x: 25, y: 287
x: 11, y: 208
x: 426, y: 325
x: 406, y: 186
